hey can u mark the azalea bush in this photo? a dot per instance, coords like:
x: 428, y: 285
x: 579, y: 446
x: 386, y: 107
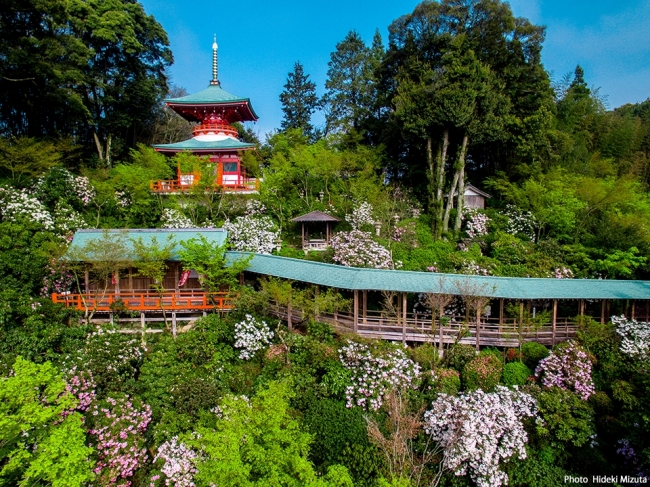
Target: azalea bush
x: 252, y: 233
x: 172, y: 218
x: 482, y: 372
x: 251, y: 336
x: 19, y: 205
x: 117, y: 426
x: 569, y: 368
x: 178, y: 464
x: 478, y: 431
x: 358, y: 249
x: 476, y: 222
x: 520, y: 223
x: 373, y: 376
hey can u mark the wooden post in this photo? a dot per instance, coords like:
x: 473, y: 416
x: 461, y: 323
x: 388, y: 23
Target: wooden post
x: 501, y: 302
x: 241, y: 278
x: 602, y: 312
x: 355, y: 323
x: 581, y: 307
x: 647, y: 309
x: 177, y: 278
x: 365, y: 305
x: 87, y: 282
x: 632, y: 311
x: 403, y: 317
x: 554, y: 322
x: 143, y: 324
x: 174, y: 324
x: 130, y: 278
x: 303, y: 235
x: 289, y: 318
x: 478, y: 328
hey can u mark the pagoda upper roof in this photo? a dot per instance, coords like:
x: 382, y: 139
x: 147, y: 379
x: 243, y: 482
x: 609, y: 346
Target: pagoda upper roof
x: 194, y: 145
x: 212, y: 95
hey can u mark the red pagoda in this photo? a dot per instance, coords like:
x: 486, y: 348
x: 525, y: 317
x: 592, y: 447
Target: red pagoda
x: 214, y: 109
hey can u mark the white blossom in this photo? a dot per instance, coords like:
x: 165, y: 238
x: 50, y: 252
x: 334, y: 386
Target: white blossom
x: 251, y: 335
x: 175, y: 219
x: 635, y: 337
x: 19, y: 204
x: 251, y: 233
x: 361, y: 215
x: 478, y: 430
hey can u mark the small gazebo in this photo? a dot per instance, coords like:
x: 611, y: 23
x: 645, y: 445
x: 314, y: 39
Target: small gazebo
x: 316, y: 218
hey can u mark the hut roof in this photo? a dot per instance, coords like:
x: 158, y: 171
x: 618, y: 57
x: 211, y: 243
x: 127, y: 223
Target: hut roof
x: 315, y: 216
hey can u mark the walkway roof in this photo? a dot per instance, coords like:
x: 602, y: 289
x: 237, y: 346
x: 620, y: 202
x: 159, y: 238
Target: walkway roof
x: 418, y: 282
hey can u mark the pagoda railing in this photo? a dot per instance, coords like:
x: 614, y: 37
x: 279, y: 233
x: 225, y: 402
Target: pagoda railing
x: 175, y: 186
x: 145, y: 301
x: 214, y: 128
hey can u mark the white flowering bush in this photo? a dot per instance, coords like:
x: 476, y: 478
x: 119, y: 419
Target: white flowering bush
x: 252, y: 233
x: 358, y: 249
x: 60, y: 182
x: 562, y: 272
x: 21, y: 205
x: 373, y: 377
x: 251, y: 335
x: 635, y: 337
x: 521, y: 223
x: 569, y: 368
x: 361, y: 215
x: 476, y: 222
x: 478, y: 431
x: 172, y: 218
x: 178, y: 467
x: 67, y: 220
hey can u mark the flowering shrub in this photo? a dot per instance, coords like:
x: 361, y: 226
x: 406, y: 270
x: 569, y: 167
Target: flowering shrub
x: 118, y: 424
x: 446, y: 381
x: 482, y: 372
x: 175, y: 219
x: 178, y: 464
x: 60, y: 182
x: 251, y: 233
x: 569, y: 368
x: 477, y: 430
x: 361, y: 216
x: 473, y: 269
x: 66, y: 220
x: 80, y: 383
x: 476, y: 222
x: 20, y: 205
x: 373, y: 377
x: 251, y: 335
x: 57, y: 279
x: 635, y: 337
x: 254, y: 208
x: 358, y: 249
x: 515, y: 374
x: 123, y: 200
x: 520, y: 223
x: 562, y: 273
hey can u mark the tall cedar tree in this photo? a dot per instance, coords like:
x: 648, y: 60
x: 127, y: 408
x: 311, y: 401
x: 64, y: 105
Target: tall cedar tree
x: 299, y: 101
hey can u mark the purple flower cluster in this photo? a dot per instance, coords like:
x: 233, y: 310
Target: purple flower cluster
x: 56, y: 280
x: 476, y: 222
x: 81, y: 384
x: 358, y: 249
x: 569, y: 368
x: 562, y: 273
x: 118, y: 428
x: 373, y: 377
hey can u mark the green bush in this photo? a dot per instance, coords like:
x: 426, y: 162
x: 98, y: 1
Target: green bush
x: 447, y: 381
x: 492, y: 351
x: 459, y: 355
x: 483, y: 372
x: 426, y: 355
x: 532, y: 353
x: 515, y: 374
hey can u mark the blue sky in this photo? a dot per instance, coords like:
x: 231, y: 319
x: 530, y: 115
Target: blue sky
x: 259, y: 42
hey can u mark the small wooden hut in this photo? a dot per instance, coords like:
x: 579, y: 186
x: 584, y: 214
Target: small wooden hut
x: 314, y: 222
x: 474, y: 197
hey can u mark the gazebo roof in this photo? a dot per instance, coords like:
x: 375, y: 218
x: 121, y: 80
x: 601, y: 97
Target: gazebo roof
x: 214, y: 95
x: 315, y: 216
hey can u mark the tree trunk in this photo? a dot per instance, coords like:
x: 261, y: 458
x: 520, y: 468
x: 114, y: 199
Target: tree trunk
x: 436, y: 176
x: 461, y: 184
x: 104, y: 157
x: 450, y: 201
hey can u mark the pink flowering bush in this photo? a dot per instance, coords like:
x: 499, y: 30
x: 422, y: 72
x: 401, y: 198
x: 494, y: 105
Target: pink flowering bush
x: 569, y: 368
x: 374, y: 376
x: 80, y: 383
x: 117, y: 426
x: 476, y: 222
x: 178, y: 464
x: 478, y: 431
x: 358, y: 249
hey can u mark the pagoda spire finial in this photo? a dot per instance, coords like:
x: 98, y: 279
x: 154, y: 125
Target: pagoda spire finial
x: 215, y: 64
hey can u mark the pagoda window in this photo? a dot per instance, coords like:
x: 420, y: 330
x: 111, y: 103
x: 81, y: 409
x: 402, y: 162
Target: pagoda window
x: 230, y: 167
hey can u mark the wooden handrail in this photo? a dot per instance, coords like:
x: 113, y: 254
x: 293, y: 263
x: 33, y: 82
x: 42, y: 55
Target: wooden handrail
x: 146, y: 301
x: 174, y: 186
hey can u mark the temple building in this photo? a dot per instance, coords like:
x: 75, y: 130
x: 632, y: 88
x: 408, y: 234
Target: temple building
x: 214, y: 110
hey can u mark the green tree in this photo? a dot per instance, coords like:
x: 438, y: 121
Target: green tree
x: 257, y: 442
x: 299, y: 101
x: 24, y: 158
x: 41, y: 438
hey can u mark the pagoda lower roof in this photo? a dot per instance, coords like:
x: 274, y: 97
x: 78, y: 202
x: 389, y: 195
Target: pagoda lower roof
x: 194, y: 145
x: 212, y: 95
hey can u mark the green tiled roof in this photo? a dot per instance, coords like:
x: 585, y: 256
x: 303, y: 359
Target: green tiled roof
x: 196, y: 145
x: 212, y: 94
x: 213, y: 235
x: 418, y: 282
